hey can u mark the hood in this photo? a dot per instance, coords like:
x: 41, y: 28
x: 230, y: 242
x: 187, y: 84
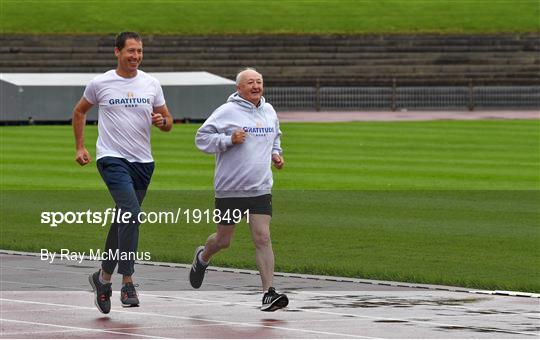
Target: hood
x: 235, y: 98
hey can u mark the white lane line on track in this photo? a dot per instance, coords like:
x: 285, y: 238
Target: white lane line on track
x: 82, y: 329
x: 361, y: 316
x: 338, y: 314
x: 232, y: 323
x: 437, y: 324
x: 157, y: 327
x: 117, y: 329
x: 142, y: 293
x: 337, y: 294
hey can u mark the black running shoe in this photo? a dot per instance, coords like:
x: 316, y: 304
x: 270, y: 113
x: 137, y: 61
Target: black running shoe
x: 128, y: 295
x: 273, y: 301
x: 196, y: 274
x: 102, y: 293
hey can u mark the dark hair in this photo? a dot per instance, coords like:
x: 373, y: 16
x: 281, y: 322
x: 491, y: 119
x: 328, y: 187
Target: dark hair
x: 121, y: 38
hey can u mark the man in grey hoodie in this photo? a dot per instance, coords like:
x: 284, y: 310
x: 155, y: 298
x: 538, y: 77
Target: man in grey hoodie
x: 245, y: 136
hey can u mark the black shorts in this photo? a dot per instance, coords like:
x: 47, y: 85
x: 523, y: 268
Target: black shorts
x: 230, y: 208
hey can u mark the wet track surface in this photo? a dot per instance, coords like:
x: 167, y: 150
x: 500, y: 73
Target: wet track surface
x: 42, y: 300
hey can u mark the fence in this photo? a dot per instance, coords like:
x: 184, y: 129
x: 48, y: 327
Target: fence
x: 409, y: 97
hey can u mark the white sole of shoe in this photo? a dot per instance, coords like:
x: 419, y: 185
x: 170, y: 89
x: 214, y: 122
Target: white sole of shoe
x: 279, y: 303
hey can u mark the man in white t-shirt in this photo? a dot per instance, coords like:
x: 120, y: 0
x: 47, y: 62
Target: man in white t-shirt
x: 130, y: 102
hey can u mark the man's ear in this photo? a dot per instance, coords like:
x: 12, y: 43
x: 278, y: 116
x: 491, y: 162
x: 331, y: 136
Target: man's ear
x: 116, y: 51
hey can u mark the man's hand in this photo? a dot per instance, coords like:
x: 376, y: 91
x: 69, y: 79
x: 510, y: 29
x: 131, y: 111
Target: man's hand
x: 158, y: 120
x: 78, y: 122
x: 238, y: 137
x: 278, y: 161
x: 83, y: 157
x: 162, y: 118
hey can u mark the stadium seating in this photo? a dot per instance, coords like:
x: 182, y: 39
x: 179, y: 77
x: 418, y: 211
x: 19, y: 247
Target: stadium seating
x: 509, y: 59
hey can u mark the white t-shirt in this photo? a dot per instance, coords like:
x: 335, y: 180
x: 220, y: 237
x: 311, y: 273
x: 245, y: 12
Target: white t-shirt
x: 125, y: 114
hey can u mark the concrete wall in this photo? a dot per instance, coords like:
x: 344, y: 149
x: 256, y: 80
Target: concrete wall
x: 51, y: 97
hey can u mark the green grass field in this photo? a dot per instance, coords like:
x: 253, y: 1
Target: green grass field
x: 444, y: 202
x: 256, y: 17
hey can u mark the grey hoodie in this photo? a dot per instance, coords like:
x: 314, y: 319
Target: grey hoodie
x: 242, y: 170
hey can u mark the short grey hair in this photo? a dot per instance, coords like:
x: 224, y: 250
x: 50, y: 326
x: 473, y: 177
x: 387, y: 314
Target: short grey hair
x: 238, y: 75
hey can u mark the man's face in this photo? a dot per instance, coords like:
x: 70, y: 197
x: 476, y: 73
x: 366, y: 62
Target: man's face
x: 130, y: 57
x: 250, y: 86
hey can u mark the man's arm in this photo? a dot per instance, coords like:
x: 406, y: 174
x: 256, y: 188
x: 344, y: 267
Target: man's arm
x: 162, y: 118
x: 79, y: 122
x: 209, y: 139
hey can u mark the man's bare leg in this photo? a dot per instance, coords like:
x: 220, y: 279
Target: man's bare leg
x: 264, y: 255
x: 219, y: 240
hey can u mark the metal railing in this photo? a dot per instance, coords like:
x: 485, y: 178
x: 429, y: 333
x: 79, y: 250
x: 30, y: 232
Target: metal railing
x: 406, y: 97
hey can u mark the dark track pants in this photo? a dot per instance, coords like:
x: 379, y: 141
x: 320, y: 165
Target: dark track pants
x: 127, y: 183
